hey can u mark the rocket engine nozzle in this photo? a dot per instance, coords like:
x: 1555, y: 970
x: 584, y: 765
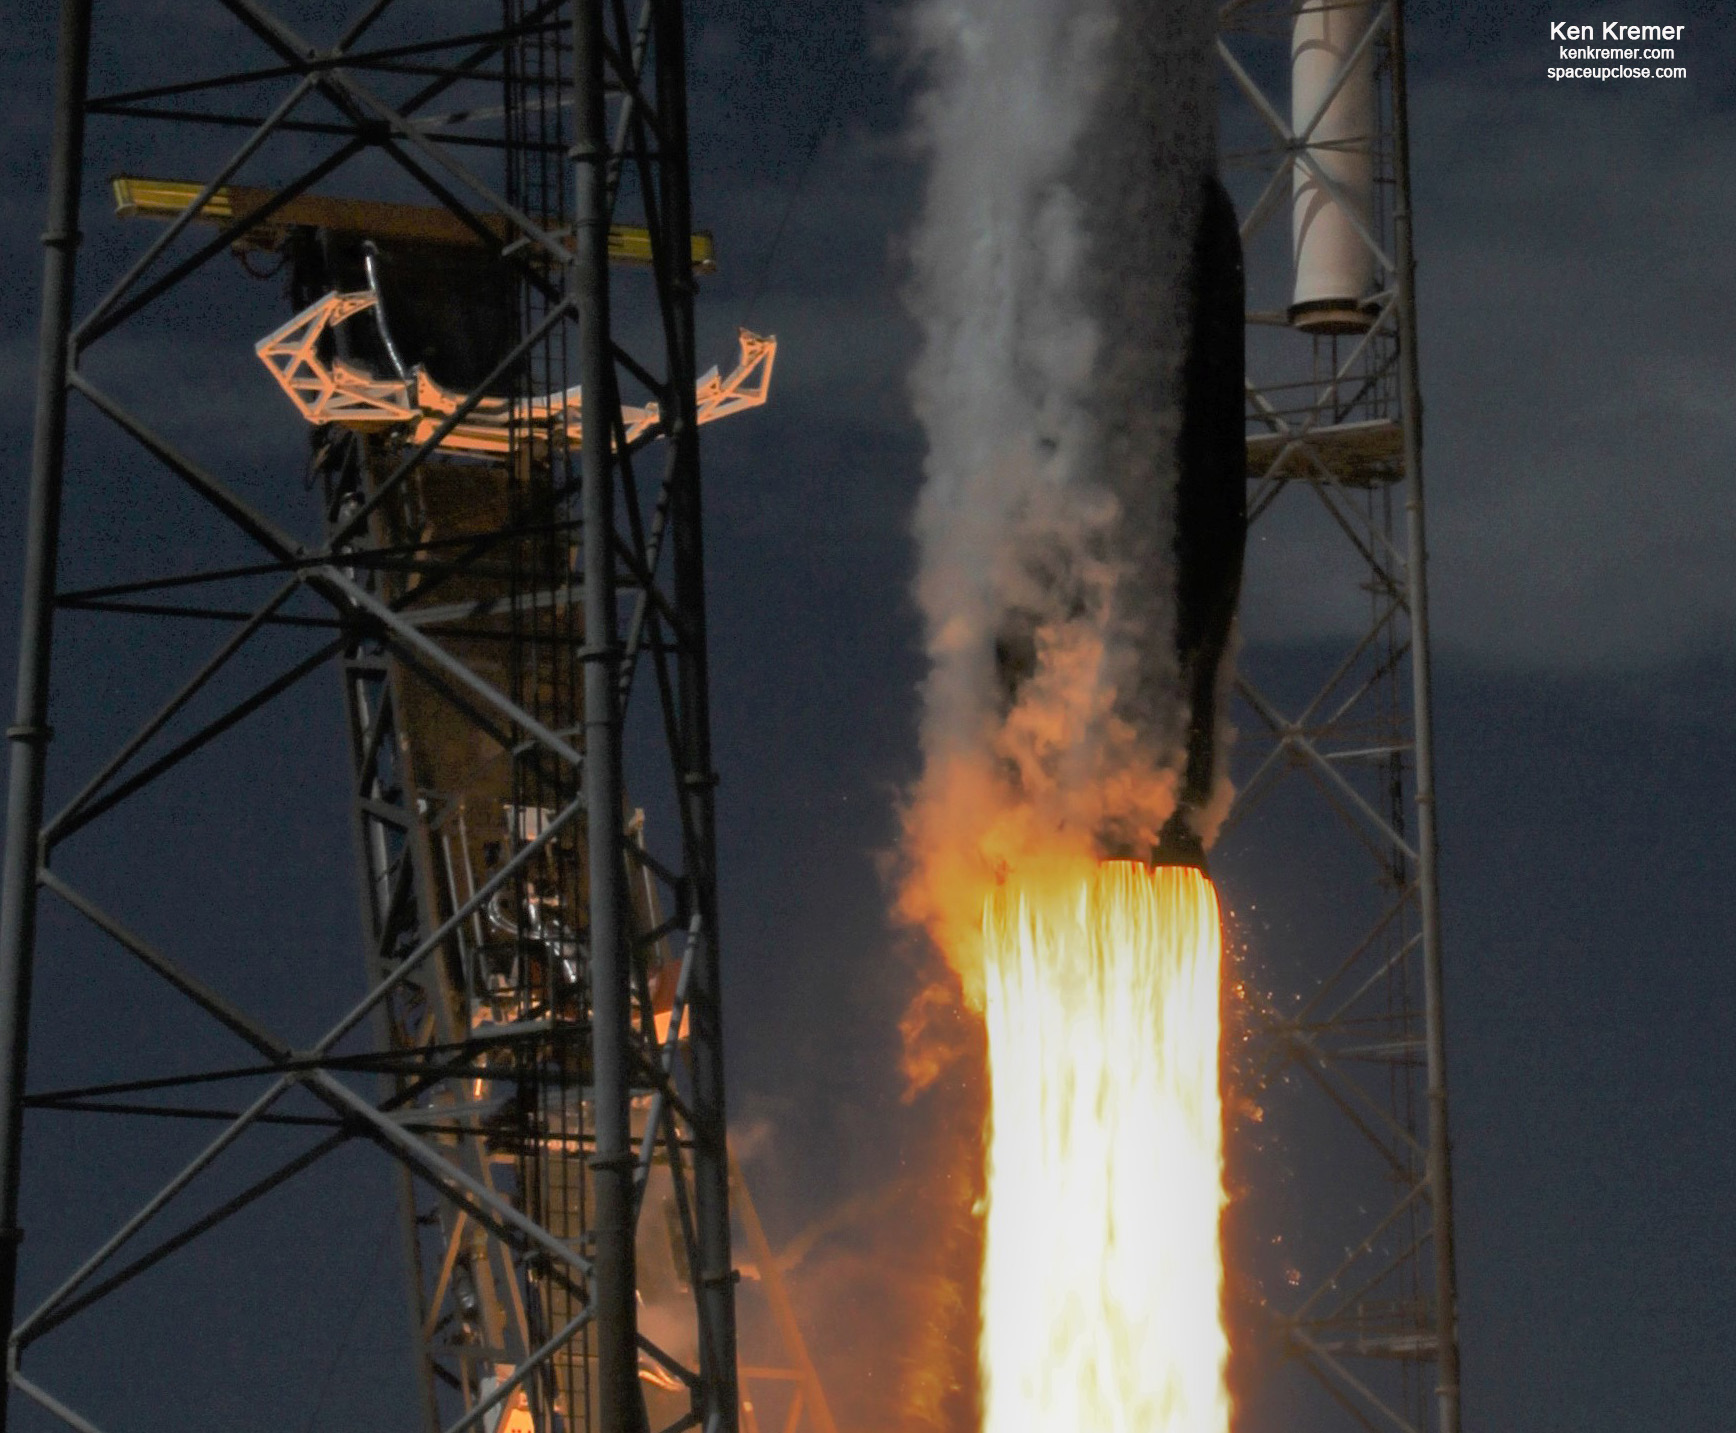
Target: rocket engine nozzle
x: 1178, y: 844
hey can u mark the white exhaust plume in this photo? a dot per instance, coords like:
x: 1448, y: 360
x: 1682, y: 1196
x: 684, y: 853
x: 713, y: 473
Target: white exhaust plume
x: 1067, y: 143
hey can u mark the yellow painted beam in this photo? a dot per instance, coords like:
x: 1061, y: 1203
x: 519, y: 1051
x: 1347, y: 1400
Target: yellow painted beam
x: 138, y: 197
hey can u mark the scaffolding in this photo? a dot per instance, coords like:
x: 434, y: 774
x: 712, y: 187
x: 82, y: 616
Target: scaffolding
x: 514, y: 602
x: 1341, y: 1211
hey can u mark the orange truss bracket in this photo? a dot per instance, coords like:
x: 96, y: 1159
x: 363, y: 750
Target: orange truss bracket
x: 339, y: 394
x: 344, y: 394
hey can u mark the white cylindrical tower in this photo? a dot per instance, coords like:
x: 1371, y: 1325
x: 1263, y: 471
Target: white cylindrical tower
x: 1335, y: 270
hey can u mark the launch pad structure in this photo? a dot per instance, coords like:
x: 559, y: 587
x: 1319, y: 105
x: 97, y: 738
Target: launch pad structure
x: 484, y: 219
x: 1342, y: 1075
x: 508, y: 579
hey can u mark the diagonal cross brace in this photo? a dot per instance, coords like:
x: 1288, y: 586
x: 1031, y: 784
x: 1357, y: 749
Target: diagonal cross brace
x: 1288, y: 735
x: 344, y: 592
x: 417, y: 1151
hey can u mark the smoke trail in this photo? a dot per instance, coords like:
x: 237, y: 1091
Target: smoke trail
x: 1066, y: 141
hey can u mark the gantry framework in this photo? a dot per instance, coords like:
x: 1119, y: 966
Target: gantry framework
x: 1343, y: 1211
x: 537, y: 1048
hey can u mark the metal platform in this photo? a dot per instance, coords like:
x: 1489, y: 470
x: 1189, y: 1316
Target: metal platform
x: 1363, y: 454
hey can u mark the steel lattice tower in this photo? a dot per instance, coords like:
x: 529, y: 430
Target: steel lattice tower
x: 1351, y: 1274
x: 504, y: 591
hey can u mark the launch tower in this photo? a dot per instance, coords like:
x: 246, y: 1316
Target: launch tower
x: 1342, y: 1190
x: 481, y: 214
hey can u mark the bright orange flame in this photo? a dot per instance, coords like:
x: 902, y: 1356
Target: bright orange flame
x: 1102, y: 1274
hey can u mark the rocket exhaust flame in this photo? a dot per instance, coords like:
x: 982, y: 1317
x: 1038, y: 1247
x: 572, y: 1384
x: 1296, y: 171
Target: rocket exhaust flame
x: 1102, y: 1274
x: 1078, y: 280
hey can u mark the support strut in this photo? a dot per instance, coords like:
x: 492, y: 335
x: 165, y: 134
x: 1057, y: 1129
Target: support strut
x: 29, y: 733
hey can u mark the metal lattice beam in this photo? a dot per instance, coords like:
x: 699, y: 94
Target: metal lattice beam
x: 539, y: 1064
x: 1339, y: 418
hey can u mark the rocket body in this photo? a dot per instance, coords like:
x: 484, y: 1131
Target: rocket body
x: 1181, y: 703
x: 1211, y: 511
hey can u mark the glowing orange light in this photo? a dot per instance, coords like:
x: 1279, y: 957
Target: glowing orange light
x: 1102, y: 1273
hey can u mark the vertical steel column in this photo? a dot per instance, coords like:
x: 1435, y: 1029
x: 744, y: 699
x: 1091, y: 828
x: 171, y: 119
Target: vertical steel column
x: 1440, y: 1165
x: 620, y: 1407
x: 29, y: 732
x: 698, y: 780
x: 376, y: 914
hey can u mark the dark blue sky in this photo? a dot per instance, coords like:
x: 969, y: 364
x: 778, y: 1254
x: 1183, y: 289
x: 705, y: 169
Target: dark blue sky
x: 1577, y: 299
